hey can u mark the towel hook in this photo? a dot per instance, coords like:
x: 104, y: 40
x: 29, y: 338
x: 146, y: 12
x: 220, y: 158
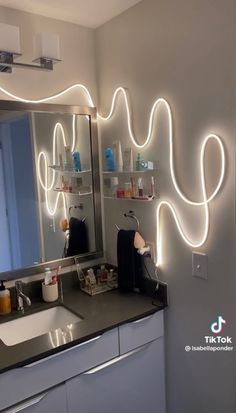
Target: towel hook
x: 132, y: 215
x: 79, y: 206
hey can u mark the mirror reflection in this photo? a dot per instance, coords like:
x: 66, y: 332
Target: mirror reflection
x: 46, y: 188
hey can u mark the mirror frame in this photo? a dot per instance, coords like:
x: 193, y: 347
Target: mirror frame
x: 8, y: 105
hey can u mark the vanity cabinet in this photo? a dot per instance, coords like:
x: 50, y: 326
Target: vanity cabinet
x: 121, y: 370
x: 24, y: 382
x: 52, y: 401
x: 131, y: 383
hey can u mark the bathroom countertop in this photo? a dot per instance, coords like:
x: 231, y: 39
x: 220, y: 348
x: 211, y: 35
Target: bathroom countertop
x: 99, y: 313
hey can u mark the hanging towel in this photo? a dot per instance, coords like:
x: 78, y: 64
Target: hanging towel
x: 129, y: 261
x: 78, y: 238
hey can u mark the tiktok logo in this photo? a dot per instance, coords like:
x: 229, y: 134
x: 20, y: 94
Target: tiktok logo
x: 217, y: 326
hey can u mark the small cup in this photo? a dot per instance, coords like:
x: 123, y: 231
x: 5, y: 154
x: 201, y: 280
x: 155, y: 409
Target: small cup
x: 50, y: 292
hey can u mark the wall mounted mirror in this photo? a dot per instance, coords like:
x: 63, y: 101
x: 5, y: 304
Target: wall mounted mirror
x: 50, y: 207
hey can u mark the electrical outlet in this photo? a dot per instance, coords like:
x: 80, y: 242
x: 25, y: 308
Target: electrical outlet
x: 152, y: 250
x: 199, y: 265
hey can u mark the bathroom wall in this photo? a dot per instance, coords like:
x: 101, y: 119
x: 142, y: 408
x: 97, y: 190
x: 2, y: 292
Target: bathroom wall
x: 77, y: 54
x: 182, y: 51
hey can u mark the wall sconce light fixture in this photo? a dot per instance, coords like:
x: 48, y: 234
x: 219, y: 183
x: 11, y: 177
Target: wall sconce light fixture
x: 46, y: 50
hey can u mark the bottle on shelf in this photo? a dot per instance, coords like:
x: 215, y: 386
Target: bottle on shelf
x: 118, y: 156
x: 77, y: 162
x: 139, y: 162
x: 110, y: 160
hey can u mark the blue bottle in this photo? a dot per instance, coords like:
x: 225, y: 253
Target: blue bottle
x: 77, y: 163
x: 110, y: 160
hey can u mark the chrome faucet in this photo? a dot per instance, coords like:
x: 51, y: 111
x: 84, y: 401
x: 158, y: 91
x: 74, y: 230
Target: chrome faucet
x: 21, y: 297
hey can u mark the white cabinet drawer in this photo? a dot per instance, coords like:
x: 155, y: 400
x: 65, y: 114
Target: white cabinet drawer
x: 21, y: 383
x: 131, y: 383
x: 137, y: 333
x: 53, y: 400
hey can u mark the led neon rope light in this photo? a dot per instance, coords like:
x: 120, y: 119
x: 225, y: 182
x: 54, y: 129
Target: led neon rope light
x: 43, y: 162
x: 157, y: 104
x: 205, y: 201
x: 52, y: 97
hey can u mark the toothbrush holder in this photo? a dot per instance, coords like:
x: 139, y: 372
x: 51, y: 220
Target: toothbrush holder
x: 50, y: 292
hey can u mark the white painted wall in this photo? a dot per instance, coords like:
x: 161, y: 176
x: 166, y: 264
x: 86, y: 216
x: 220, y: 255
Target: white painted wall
x: 184, y: 51
x: 77, y: 54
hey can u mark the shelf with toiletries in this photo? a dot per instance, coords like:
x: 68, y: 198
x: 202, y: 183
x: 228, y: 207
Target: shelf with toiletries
x: 126, y: 179
x: 69, y: 171
x: 130, y: 172
x: 141, y: 187
x: 144, y: 199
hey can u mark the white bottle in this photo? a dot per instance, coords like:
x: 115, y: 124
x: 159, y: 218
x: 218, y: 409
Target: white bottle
x: 48, y: 276
x: 118, y: 156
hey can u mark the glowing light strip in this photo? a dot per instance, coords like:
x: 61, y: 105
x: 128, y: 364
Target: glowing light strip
x: 203, y: 203
x: 42, y: 158
x: 52, y: 97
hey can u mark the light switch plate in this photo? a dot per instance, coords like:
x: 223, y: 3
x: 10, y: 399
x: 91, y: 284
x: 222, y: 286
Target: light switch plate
x: 199, y: 265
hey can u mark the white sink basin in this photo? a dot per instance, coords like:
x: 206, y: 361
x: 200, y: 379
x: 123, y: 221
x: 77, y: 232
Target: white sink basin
x: 34, y: 325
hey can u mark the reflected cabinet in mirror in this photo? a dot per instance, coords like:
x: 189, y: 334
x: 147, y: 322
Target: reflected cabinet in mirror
x: 50, y: 206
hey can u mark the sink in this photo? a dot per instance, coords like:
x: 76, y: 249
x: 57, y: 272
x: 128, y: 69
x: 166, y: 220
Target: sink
x: 34, y: 325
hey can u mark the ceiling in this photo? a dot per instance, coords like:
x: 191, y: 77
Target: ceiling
x: 89, y: 13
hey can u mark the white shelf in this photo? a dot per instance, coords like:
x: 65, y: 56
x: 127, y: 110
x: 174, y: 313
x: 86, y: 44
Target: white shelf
x: 129, y: 172
x: 73, y: 193
x: 129, y: 199
x: 72, y: 172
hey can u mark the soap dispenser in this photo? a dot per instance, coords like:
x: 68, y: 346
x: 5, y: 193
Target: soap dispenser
x: 5, y: 300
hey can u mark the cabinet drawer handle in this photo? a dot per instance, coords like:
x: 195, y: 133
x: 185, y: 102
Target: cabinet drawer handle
x: 61, y: 352
x: 141, y: 319
x: 25, y: 404
x: 113, y: 361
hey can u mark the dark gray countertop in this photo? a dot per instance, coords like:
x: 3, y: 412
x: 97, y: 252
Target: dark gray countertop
x: 99, y: 314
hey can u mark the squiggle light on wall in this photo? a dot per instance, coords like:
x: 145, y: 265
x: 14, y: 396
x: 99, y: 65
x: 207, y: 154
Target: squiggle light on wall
x: 205, y: 201
x: 159, y: 102
x: 43, y: 160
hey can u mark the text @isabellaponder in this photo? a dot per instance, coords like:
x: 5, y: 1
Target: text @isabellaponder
x: 216, y: 342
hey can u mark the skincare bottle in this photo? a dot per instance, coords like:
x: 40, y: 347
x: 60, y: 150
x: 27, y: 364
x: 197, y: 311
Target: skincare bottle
x: 114, y: 183
x: 140, y: 187
x: 118, y: 156
x: 133, y: 187
x: 110, y: 160
x: 68, y: 159
x: 152, y: 187
x: 5, y: 300
x: 128, y: 190
x: 48, y: 276
x: 77, y: 163
x: 139, y: 162
x: 128, y: 163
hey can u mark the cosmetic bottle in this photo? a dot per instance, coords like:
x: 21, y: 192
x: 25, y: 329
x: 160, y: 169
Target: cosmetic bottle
x: 140, y: 187
x: 118, y: 156
x: 110, y: 160
x: 128, y: 164
x: 139, y: 162
x: 68, y: 159
x: 152, y: 187
x: 133, y: 187
x: 5, y: 300
x: 77, y: 163
x: 128, y: 190
x: 114, y: 182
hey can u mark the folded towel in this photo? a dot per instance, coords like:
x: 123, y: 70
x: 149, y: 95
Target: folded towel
x: 129, y: 261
